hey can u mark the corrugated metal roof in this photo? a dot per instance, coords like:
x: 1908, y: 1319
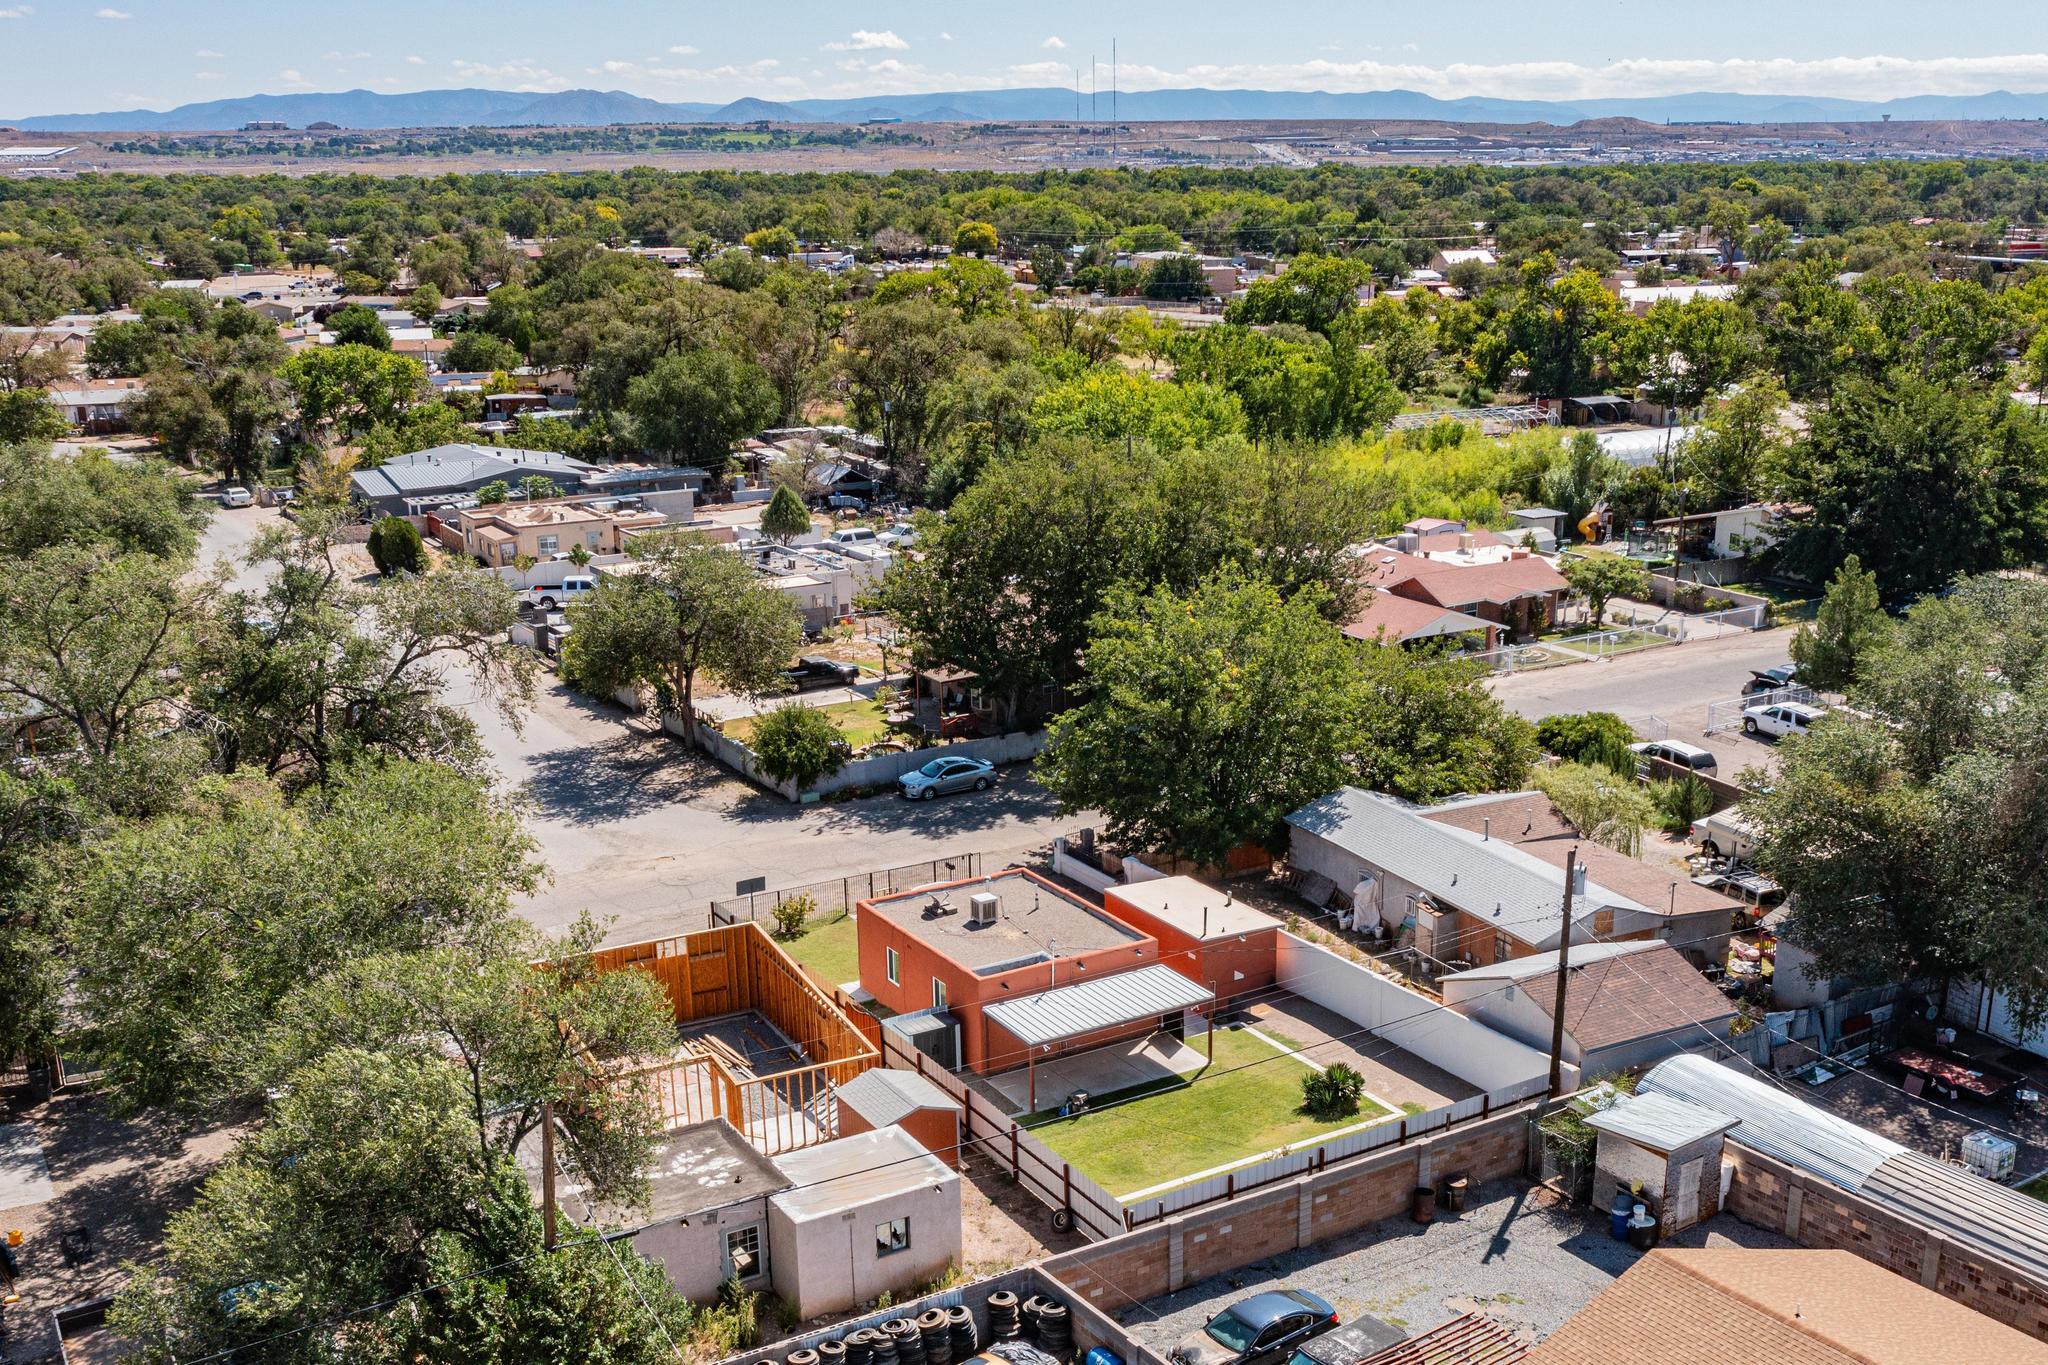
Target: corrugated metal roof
x: 1660, y: 1122
x: 1458, y: 866
x: 1774, y: 1122
x: 851, y: 1171
x: 1966, y: 1209
x: 1467, y: 1340
x: 458, y: 465
x: 884, y: 1095
x: 1107, y: 1001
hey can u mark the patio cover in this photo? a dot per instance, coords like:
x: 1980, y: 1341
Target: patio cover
x: 1084, y: 1007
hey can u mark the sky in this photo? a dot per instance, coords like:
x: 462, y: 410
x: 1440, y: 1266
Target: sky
x: 78, y: 56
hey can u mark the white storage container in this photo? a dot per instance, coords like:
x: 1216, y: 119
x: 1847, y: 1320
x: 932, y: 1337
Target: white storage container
x: 1989, y: 1155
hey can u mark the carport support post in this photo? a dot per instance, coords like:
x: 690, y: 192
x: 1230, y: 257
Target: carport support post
x: 1564, y: 955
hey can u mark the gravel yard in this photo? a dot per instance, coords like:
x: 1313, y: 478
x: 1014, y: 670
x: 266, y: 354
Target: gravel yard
x: 1515, y: 1254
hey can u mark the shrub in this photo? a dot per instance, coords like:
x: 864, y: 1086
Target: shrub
x: 730, y: 1325
x: 1681, y: 801
x: 1332, y: 1094
x: 395, y: 547
x: 1584, y: 736
x: 792, y: 913
x: 796, y: 743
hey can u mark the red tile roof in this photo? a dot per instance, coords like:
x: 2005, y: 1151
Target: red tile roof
x: 1464, y: 585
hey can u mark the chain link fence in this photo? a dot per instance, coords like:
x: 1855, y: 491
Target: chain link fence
x: 843, y: 893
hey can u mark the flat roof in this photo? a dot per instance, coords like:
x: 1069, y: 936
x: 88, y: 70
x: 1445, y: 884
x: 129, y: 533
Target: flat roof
x: 1659, y: 1122
x: 1195, y: 908
x: 848, y: 1172
x: 1105, y: 1002
x: 702, y: 1166
x: 1036, y: 921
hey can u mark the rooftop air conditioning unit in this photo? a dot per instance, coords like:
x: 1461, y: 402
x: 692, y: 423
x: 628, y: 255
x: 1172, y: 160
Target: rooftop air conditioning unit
x: 981, y: 907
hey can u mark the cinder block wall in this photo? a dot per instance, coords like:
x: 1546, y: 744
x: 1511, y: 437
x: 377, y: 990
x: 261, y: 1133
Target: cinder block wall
x: 1773, y: 1194
x: 1176, y: 1252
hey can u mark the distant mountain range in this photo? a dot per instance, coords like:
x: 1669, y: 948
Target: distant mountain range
x: 587, y: 108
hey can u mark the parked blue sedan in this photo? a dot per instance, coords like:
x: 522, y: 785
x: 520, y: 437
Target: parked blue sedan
x: 946, y: 775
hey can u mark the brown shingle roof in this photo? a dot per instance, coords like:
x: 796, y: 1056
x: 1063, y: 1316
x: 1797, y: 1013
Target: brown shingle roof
x: 1706, y: 1307
x: 1633, y: 995
x: 1463, y: 585
x: 1385, y: 616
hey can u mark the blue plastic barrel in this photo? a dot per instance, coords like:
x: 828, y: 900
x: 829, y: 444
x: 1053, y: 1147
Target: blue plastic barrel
x: 1618, y: 1215
x: 1097, y: 1356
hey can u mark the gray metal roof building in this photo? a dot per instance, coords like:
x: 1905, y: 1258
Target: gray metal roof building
x: 1492, y: 879
x: 884, y: 1095
x: 1106, y: 1002
x: 1962, y: 1209
x: 463, y: 468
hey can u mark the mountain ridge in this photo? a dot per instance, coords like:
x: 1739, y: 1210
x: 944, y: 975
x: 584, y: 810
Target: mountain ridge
x: 481, y: 108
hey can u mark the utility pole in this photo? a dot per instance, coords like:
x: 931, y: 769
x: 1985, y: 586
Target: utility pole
x: 1564, y: 955
x: 547, y: 1169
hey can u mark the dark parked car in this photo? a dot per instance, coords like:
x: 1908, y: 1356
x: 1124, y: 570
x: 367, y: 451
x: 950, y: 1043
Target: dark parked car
x: 811, y: 671
x: 1265, y: 1329
x: 1358, y: 1339
x: 1771, y: 679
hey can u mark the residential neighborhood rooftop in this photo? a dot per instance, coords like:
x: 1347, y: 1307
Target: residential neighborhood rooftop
x: 1035, y: 921
x: 1615, y: 991
x: 856, y: 1170
x: 1194, y: 907
x: 1686, y: 1306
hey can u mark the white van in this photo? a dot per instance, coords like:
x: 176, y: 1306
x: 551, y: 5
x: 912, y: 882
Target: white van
x: 560, y: 594
x: 853, y: 535
x: 1726, y: 834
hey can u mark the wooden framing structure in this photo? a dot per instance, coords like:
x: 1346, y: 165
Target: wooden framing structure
x: 728, y: 970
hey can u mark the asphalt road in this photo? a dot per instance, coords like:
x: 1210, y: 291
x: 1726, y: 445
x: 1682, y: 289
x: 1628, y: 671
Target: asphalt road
x: 228, y: 535
x: 1664, y: 693
x: 638, y: 830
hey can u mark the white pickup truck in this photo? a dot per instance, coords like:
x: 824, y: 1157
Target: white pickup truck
x: 560, y: 594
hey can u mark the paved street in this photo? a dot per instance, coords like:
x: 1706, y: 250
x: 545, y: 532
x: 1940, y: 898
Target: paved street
x: 229, y: 534
x: 638, y: 829
x: 1661, y: 692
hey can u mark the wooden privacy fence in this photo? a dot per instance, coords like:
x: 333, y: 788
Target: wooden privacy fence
x: 727, y: 970
x: 1075, y: 1200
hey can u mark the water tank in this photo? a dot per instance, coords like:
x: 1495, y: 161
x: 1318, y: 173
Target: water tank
x: 1989, y: 1155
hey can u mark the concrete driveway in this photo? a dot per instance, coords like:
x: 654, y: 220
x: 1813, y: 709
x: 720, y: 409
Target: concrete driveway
x: 227, y: 538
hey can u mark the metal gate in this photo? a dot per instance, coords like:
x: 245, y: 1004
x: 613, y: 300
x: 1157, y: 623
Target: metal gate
x: 1727, y: 715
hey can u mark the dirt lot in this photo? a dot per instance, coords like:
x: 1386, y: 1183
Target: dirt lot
x: 118, y: 1181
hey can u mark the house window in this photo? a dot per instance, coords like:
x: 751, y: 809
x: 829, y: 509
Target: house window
x: 893, y: 966
x: 938, y: 994
x: 548, y: 544
x: 892, y: 1237
x: 1603, y: 922
x: 1503, y: 947
x: 746, y: 1256
x: 592, y: 539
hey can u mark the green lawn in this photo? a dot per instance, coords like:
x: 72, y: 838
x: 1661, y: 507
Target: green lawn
x: 862, y: 722
x: 1224, y: 1115
x: 828, y: 948
x: 2037, y: 1187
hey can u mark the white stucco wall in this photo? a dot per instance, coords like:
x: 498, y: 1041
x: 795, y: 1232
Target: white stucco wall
x: 830, y: 1262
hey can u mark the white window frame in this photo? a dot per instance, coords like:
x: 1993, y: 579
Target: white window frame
x: 893, y: 965
x: 938, y: 993
x: 758, y: 1234
x: 547, y: 545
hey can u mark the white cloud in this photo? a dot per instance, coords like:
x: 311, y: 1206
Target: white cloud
x: 206, y: 75
x: 520, y: 73
x: 17, y: 11
x: 945, y: 37
x: 415, y: 61
x: 862, y: 40
x: 682, y: 50
x: 290, y: 76
x: 112, y: 14
x: 207, y: 54
x: 1054, y: 43
x: 346, y: 57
